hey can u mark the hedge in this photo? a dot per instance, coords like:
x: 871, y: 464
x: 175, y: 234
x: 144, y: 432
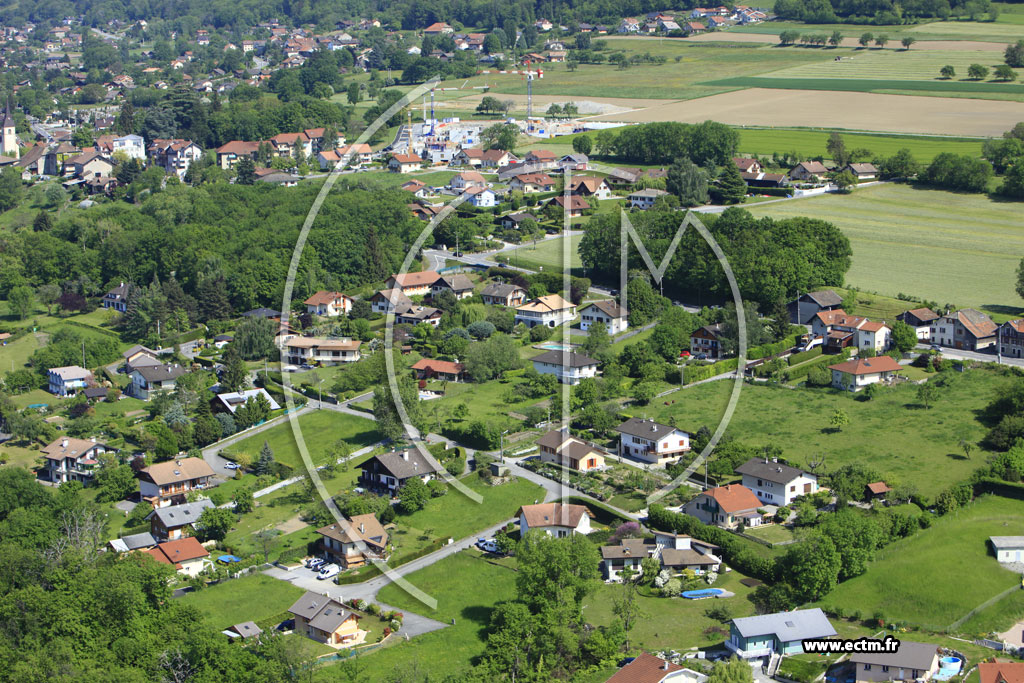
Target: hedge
x: 805, y: 369
x: 702, y: 372
x: 602, y: 513
x: 800, y: 357
x: 92, y: 328
x: 771, y: 191
x: 757, y: 352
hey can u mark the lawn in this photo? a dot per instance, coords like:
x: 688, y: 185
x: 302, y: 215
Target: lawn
x: 250, y: 598
x: 320, y: 429
x: 939, y: 574
x: 892, y: 65
x: 811, y: 143
x: 773, y: 533
x: 908, y: 240
x: 891, y: 433
x: 547, y: 255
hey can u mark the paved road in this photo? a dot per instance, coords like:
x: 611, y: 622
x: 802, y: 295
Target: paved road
x: 959, y: 354
x: 211, y: 454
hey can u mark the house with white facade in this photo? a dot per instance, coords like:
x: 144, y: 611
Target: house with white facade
x: 328, y: 304
x: 1008, y: 549
x: 728, y: 507
x: 355, y: 543
x: 569, y: 367
x: 967, y: 328
x: 388, y: 472
x: 558, y: 448
x: 644, y: 199
x: 482, y: 197
x: 169, y: 483
x: 550, y: 310
x: 555, y: 519
x: 64, y: 381
x: 854, y: 375
x: 782, y: 633
x: 388, y: 300
x: 131, y: 145
x: 187, y: 555
x: 775, y: 483
x: 921, y: 320
x: 147, y: 379
x: 117, y: 298
x: 70, y: 459
x: 651, y: 441
x: 310, y: 350
x: 606, y: 312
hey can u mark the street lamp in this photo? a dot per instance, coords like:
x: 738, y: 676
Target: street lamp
x: 501, y: 441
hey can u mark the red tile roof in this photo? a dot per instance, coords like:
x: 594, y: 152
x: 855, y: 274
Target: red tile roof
x: 1001, y: 672
x: 176, y: 552
x: 443, y: 366
x: 648, y: 669
x: 867, y: 366
x: 734, y: 498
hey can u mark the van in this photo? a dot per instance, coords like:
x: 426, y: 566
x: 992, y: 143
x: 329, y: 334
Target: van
x: 328, y: 571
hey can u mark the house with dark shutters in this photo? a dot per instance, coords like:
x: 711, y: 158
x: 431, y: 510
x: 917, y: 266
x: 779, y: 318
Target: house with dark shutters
x: 388, y: 472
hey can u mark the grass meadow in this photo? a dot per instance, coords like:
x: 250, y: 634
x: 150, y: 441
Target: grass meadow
x: 232, y: 602
x: 320, y: 428
x: 893, y: 434
x: 810, y: 143
x: 938, y: 575
x: 1004, y: 30
x: 944, y: 246
x: 893, y: 65
x: 547, y: 255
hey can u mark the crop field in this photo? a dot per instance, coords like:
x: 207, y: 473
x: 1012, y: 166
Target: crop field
x: 892, y: 433
x: 951, y: 572
x: 1000, y: 31
x: 910, y: 65
x: 908, y: 240
x: 850, y: 40
x: 810, y: 143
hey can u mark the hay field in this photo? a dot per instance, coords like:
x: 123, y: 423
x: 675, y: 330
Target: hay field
x: 910, y: 65
x: 850, y: 40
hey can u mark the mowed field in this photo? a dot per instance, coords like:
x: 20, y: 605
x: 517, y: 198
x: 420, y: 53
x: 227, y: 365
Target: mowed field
x: 811, y: 143
x: 320, y: 430
x: 851, y: 41
x: 938, y: 575
x: 898, y: 65
x: 1006, y: 29
x: 956, y: 248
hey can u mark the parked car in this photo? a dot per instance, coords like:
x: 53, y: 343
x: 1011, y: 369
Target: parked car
x: 329, y: 571
x: 231, y: 466
x: 316, y: 563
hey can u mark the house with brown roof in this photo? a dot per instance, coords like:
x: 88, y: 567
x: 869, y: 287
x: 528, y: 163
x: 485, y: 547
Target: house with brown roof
x: 540, y: 159
x: 967, y: 329
x: 1011, y: 338
x: 746, y: 165
x: 605, y: 312
x: 568, y: 366
x: 528, y: 183
x: 803, y: 309
x: 555, y: 519
x: 388, y: 472
x: 355, y: 542
x: 503, y: 294
x: 90, y: 164
x: 418, y: 189
x: 727, y: 506
x: 775, y: 483
x: 465, y: 180
x: 550, y: 310
x: 1001, y: 672
x: 168, y: 483
x: 326, y: 620
x: 413, y: 284
x: 443, y: 370
x: 437, y: 29
x: 229, y: 153
x: 921, y: 320
x: 840, y: 330
x: 809, y: 172
x: 913, y: 661
x: 388, y: 300
x: 310, y: 350
x: 187, y: 555
x: 646, y: 668
x: 876, y: 490
x: 414, y: 315
x: 328, y: 304
x: 854, y: 375
x: 456, y: 283
x: 707, y: 340
x: 651, y: 441
x: 574, y: 205
x: 404, y: 163
x: 589, y: 186
x: 626, y: 555
x: 558, y: 448
x: 862, y: 171
x: 69, y: 459
x: 174, y: 155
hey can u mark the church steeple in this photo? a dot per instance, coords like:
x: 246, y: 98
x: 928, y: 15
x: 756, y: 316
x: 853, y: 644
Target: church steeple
x: 9, y: 138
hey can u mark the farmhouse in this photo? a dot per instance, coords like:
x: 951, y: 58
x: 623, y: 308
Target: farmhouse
x: 707, y: 340
x: 726, y: 506
x: 774, y: 483
x: 340, y: 542
x: 551, y: 310
x: 606, y: 312
x: 912, y: 662
x: 651, y: 441
x: 803, y: 309
x: 1011, y: 338
x: 328, y: 304
x: 501, y: 294
x: 965, y: 329
x: 326, y: 620
x: 167, y: 483
x: 171, y: 523
x: 568, y: 367
x: 555, y: 519
x: 921, y: 320
x: 781, y: 633
x: 310, y: 350
x: 388, y: 472
x: 566, y: 451
x: 70, y: 459
x: 443, y: 370
x: 854, y: 375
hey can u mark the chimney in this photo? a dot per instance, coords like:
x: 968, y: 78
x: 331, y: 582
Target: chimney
x: 405, y: 456
x: 664, y: 665
x: 64, y: 443
x: 362, y: 528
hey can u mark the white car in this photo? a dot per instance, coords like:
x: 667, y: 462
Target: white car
x: 231, y: 466
x: 329, y: 571
x: 316, y: 563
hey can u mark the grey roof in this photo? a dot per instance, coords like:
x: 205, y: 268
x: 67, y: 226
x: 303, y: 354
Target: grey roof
x: 1007, y: 542
x: 771, y: 471
x: 627, y: 547
x: 647, y: 429
x: 403, y: 464
x: 159, y: 373
x: 911, y: 655
x: 520, y: 217
x: 825, y: 297
x: 135, y: 541
x: 179, y: 515
x: 671, y: 557
x: 608, y: 307
x: 457, y: 282
x: 247, y: 629
x: 262, y: 312
x: 138, y: 347
x: 799, y: 624
x: 501, y: 289
x: 323, y: 612
x: 570, y: 359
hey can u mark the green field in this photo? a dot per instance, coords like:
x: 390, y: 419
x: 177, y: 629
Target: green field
x: 892, y: 434
x: 811, y: 143
x: 547, y: 255
x: 975, y: 89
x: 1001, y: 31
x: 958, y: 248
x: 895, y: 65
x: 320, y: 429
x: 939, y: 574
x: 250, y: 598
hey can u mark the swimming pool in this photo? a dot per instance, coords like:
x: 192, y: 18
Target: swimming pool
x: 948, y: 667
x: 702, y: 593
x: 555, y: 346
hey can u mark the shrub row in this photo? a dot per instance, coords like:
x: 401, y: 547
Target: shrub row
x: 756, y: 352
x: 805, y: 369
x: 92, y: 328
x: 602, y: 513
x: 702, y: 372
x: 800, y: 357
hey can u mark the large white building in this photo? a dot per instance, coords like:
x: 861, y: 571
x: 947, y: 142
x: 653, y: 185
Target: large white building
x: 309, y: 350
x: 555, y: 519
x: 774, y: 483
x: 551, y: 310
x: 607, y: 312
x: 567, y: 366
x: 651, y: 441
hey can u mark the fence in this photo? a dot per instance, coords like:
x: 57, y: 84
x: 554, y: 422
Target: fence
x: 988, y: 603
x: 991, y: 644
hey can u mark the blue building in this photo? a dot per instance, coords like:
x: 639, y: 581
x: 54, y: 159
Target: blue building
x: 781, y: 633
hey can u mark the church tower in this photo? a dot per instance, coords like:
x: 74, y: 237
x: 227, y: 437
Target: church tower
x: 9, y: 139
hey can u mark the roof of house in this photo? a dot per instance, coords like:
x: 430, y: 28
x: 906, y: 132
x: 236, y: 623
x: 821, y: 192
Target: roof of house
x: 863, y: 168
x: 176, y: 552
x: 233, y: 399
x: 403, y: 464
x: 413, y: 185
x: 133, y: 542
x: 396, y: 296
x: 501, y: 289
x: 812, y: 167
x: 799, y: 624
x: 322, y: 298
x: 877, y: 487
x: 444, y: 366
x: 177, y: 470
x: 911, y: 655
x: 66, y: 447
x: 976, y: 322
x: 541, y: 155
x: 417, y: 279
x: 322, y: 612
x: 762, y: 468
x: 95, y: 392
x: 567, y: 358
x: 680, y: 557
x: 247, y: 629
x: 566, y: 445
x: 734, y: 498
x: 647, y: 429
x: 627, y: 547
x: 238, y: 147
x: 262, y: 312
x: 407, y: 158
x: 137, y: 349
x: 534, y: 179
x: 644, y: 668
x: 713, y: 331
x: 363, y: 528
x: 322, y: 343
x: 867, y: 366
x: 470, y: 177
x: 648, y: 192
x: 573, y: 203
x: 174, y: 516
x: 553, y: 514
x: 924, y: 315
x: 825, y: 298
x: 457, y: 282
x: 71, y: 372
x: 420, y: 313
x: 520, y: 217
x: 1007, y: 542
x: 608, y: 307
x: 1001, y: 672
x: 545, y: 304
x: 743, y: 163
x: 160, y: 372
x: 872, y: 326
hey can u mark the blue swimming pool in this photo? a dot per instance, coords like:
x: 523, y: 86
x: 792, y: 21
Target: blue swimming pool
x: 554, y: 346
x: 702, y: 593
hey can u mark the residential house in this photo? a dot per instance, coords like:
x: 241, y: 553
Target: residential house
x: 310, y: 350
x: 482, y: 197
x: 481, y: 158
x: 692, y: 28
x: 876, y: 490
x: 541, y: 159
x: 589, y: 186
x: 606, y: 312
x: 412, y: 284
x: 628, y: 25
x: 117, y: 298
x: 555, y: 519
x: 809, y: 172
x: 668, y: 25
x: 174, y: 156
x: 1011, y: 338
x: 328, y: 304
x: 502, y: 294
x: 775, y: 483
x: 174, y: 521
x: 854, y: 375
x: 874, y: 335
x: 559, y: 448
x: 187, y: 555
x: 285, y: 145
x: 679, y: 552
x: 912, y: 662
x: 131, y: 542
x: 551, y: 310
x: 862, y: 171
x: 569, y: 367
x: 1001, y: 672
x: 762, y: 179
x: 840, y: 330
x: 646, y: 668
x: 626, y: 555
x: 707, y: 340
x: 437, y: 29
x: 921, y: 320
x: 228, y: 154
x: 729, y: 507
x: 231, y: 401
x: 466, y: 180
x: 139, y: 356
x: 244, y: 631
x: 417, y: 188
x: 780, y: 633
x: 326, y: 620
x: 388, y: 300
x: 457, y: 283
x: 63, y: 381
x: 38, y: 160
x: 443, y: 370
x: 965, y: 329
x: 651, y: 441
x: 414, y: 315
x: 574, y: 205
x: 90, y: 164
x: 151, y: 378
x: 354, y: 543
x: 359, y: 154
x: 404, y: 163
x: 528, y: 183
x: 575, y: 161
x: 424, y: 212
x: 70, y: 459
x: 1008, y: 549
x: 388, y: 472
x: 803, y: 309
x: 168, y: 483
x: 644, y: 199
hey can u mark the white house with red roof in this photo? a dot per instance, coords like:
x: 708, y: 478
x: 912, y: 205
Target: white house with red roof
x: 854, y: 375
x: 328, y: 304
x: 727, y: 507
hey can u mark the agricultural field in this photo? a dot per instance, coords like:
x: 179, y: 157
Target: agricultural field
x: 811, y: 143
x: 892, y: 433
x: 909, y: 240
x: 892, y: 65
x: 1001, y: 31
x: 320, y: 428
x: 951, y: 573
